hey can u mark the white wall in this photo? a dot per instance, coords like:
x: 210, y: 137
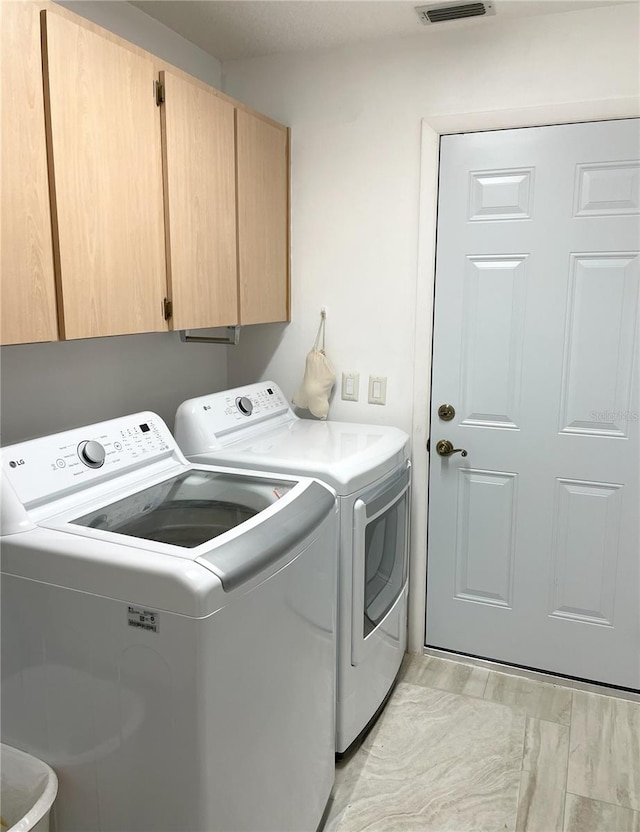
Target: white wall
x: 356, y: 117
x: 129, y: 22
x: 52, y: 387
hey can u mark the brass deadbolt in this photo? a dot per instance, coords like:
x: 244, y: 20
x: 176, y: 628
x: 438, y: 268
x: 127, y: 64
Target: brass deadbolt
x: 446, y: 412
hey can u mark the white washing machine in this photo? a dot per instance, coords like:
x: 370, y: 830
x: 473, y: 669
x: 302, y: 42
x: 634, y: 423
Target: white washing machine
x: 368, y: 466
x: 168, y: 633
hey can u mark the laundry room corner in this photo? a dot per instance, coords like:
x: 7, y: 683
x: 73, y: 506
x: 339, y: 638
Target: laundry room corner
x: 359, y: 181
x: 320, y: 415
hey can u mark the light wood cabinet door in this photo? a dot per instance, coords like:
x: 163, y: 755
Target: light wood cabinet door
x: 262, y: 166
x: 28, y: 299
x: 103, y: 130
x: 200, y: 204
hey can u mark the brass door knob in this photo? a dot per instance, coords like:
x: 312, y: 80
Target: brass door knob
x: 445, y: 448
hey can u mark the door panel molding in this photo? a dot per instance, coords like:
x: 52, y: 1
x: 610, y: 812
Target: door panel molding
x: 485, y: 551
x: 586, y: 518
x: 491, y: 358
x: 500, y: 195
x: 611, y: 278
x: 607, y: 189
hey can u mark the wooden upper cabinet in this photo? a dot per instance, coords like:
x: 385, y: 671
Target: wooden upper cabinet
x: 111, y: 204
x: 200, y: 202
x: 262, y: 167
x: 106, y: 184
x: 28, y: 300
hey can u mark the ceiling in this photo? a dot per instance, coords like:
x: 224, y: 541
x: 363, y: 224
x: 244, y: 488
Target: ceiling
x: 230, y: 29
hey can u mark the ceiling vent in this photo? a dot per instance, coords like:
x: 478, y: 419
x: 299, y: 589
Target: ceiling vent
x: 456, y: 11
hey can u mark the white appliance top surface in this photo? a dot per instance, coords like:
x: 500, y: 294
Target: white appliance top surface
x: 339, y: 453
x: 345, y: 455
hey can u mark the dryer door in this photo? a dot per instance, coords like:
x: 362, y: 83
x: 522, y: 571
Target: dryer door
x: 380, y: 556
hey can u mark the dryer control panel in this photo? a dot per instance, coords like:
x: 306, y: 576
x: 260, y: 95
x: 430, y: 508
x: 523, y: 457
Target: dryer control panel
x: 219, y: 415
x: 245, y: 404
x: 41, y: 468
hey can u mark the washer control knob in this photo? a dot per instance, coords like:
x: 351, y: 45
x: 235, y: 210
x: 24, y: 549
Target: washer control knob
x: 244, y: 405
x: 91, y: 453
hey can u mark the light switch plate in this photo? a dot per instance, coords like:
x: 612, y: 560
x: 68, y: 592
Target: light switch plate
x: 350, y: 385
x: 377, y: 389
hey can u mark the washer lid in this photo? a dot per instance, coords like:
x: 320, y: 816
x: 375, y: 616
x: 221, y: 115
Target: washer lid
x: 346, y: 456
x: 188, y: 509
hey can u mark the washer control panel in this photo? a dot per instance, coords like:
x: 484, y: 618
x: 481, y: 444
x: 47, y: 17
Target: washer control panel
x: 44, y: 467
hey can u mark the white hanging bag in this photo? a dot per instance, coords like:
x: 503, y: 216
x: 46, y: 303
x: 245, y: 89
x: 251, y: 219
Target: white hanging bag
x: 319, y: 378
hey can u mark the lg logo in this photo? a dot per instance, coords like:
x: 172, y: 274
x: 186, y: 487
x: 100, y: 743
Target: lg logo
x: 15, y: 462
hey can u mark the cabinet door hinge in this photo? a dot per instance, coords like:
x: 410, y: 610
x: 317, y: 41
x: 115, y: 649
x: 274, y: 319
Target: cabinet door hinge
x: 159, y: 91
x: 167, y: 306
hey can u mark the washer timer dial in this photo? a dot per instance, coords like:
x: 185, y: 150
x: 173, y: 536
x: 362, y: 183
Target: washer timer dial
x: 244, y: 405
x: 91, y: 453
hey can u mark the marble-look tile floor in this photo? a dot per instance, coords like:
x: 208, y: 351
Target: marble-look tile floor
x: 467, y: 749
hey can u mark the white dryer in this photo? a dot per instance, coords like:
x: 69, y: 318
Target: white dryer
x: 168, y: 633
x: 368, y: 466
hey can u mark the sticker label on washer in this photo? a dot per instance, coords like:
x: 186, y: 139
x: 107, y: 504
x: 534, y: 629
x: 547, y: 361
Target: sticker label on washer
x: 144, y: 619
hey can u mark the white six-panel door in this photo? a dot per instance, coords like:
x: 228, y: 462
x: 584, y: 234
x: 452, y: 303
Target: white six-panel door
x: 533, y: 550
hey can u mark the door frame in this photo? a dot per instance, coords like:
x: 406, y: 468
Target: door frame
x: 432, y: 128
